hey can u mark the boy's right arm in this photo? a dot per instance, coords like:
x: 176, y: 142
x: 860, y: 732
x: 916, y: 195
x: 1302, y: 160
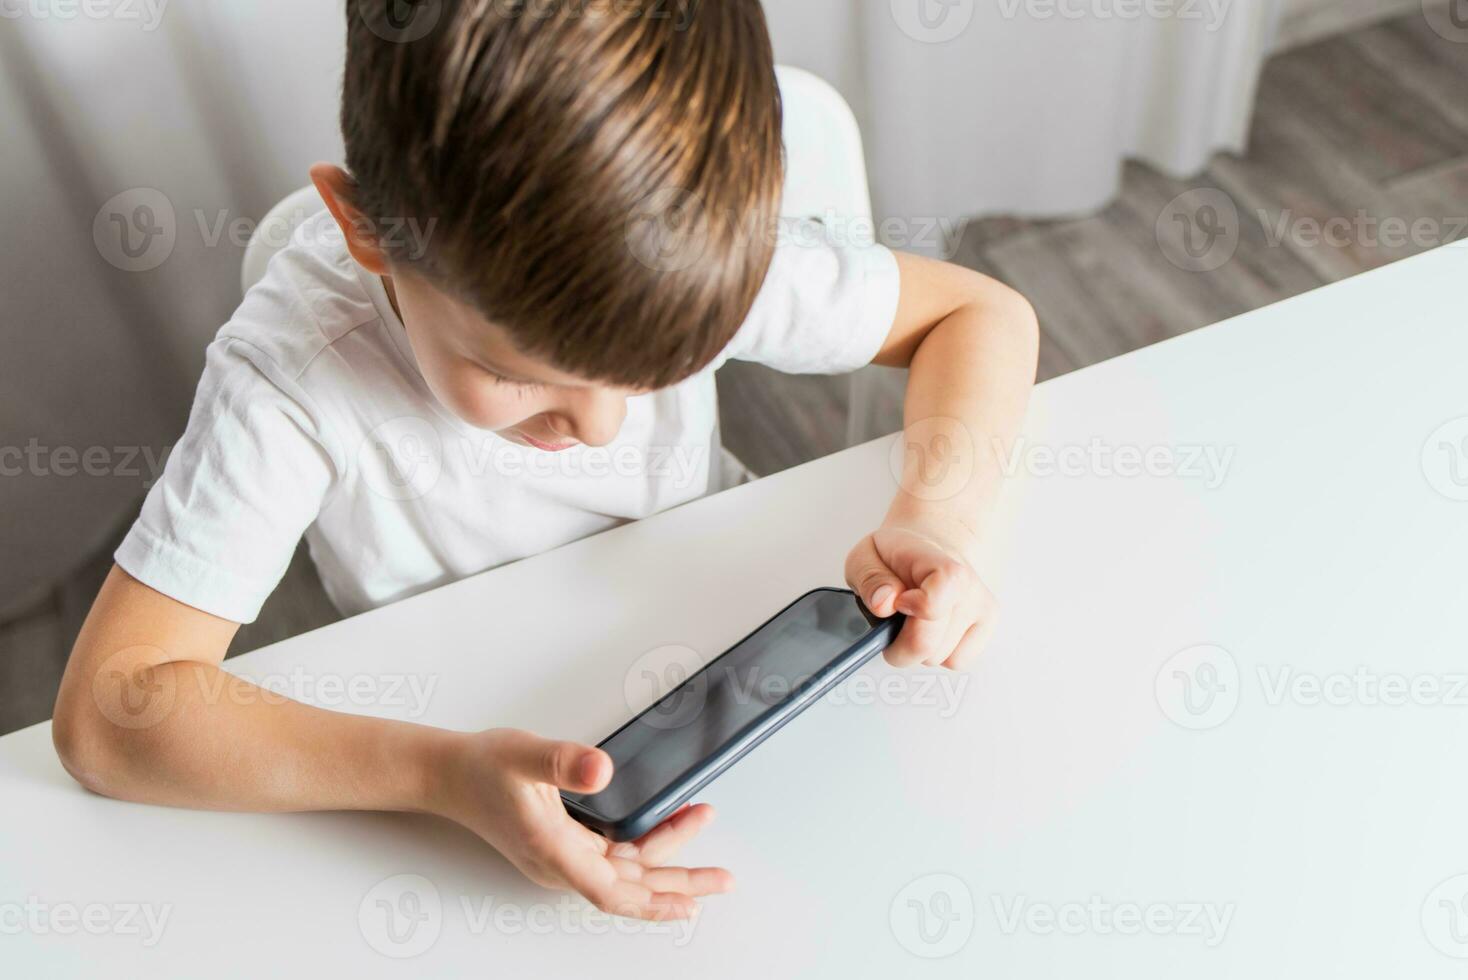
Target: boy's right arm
x: 146, y: 713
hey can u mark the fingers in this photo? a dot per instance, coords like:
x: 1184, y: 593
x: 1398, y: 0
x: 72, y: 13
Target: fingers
x: 949, y: 619
x: 659, y: 845
x: 870, y: 578
x: 617, y: 887
x: 932, y: 610
x: 564, y: 765
x: 693, y: 882
x: 972, y: 644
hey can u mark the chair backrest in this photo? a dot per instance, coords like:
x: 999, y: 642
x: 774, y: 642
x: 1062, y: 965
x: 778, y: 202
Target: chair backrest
x: 825, y: 168
x: 826, y: 174
x: 274, y: 233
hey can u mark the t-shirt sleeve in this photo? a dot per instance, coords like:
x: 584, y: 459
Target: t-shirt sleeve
x: 825, y: 307
x: 219, y: 528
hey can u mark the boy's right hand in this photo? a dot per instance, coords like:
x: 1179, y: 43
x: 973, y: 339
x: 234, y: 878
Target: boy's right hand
x: 505, y: 786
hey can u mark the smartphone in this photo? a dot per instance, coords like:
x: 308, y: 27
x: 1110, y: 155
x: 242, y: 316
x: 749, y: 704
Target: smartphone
x: 717, y: 716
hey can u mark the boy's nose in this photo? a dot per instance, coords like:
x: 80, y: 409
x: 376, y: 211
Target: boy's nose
x: 596, y: 417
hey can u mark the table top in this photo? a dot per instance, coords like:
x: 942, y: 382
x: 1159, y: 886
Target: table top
x: 1219, y: 732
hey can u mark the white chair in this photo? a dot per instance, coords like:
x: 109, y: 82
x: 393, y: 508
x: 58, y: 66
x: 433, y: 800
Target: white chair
x: 826, y: 178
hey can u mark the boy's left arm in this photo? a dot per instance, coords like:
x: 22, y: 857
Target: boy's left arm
x: 972, y: 346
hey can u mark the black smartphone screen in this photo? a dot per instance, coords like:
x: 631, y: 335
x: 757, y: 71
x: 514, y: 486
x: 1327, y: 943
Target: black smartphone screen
x: 728, y: 698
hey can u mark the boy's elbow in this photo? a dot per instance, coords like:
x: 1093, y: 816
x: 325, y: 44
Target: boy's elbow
x: 1017, y: 313
x: 1009, y: 310
x: 84, y: 744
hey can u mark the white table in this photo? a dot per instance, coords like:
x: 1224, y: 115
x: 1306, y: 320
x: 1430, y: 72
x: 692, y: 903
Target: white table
x: 1065, y: 816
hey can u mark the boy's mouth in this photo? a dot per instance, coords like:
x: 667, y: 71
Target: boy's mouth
x: 546, y: 447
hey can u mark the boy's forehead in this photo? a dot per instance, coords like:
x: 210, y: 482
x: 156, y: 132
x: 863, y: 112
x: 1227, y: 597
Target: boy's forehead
x: 479, y: 338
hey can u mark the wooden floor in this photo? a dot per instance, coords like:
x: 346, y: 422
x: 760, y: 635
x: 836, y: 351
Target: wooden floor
x: 1369, y: 129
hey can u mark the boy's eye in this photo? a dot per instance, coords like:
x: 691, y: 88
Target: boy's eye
x: 522, y: 386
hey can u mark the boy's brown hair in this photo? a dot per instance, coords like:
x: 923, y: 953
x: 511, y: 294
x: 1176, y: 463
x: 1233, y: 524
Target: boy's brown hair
x: 600, y: 175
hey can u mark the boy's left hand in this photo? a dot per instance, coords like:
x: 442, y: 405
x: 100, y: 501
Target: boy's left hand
x: 918, y: 569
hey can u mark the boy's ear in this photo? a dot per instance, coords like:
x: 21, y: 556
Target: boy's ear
x: 335, y: 187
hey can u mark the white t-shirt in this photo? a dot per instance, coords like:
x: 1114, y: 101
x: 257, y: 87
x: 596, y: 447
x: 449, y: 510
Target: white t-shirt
x: 312, y: 418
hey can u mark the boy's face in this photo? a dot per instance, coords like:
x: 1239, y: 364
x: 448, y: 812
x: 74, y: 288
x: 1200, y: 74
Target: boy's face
x: 474, y: 370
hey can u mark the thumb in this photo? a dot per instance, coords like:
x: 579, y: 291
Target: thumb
x: 869, y: 576
x: 564, y: 765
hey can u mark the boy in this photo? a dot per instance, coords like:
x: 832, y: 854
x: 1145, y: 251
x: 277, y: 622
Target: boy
x: 593, y: 186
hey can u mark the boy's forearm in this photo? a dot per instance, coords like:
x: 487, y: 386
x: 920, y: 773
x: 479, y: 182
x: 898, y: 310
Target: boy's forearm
x: 225, y: 744
x: 967, y: 395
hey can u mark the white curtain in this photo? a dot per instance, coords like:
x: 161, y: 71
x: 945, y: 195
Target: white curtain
x: 1029, y: 107
x: 204, y: 113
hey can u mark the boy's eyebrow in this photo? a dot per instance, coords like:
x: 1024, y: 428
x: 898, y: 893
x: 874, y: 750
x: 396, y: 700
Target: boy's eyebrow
x: 493, y: 367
